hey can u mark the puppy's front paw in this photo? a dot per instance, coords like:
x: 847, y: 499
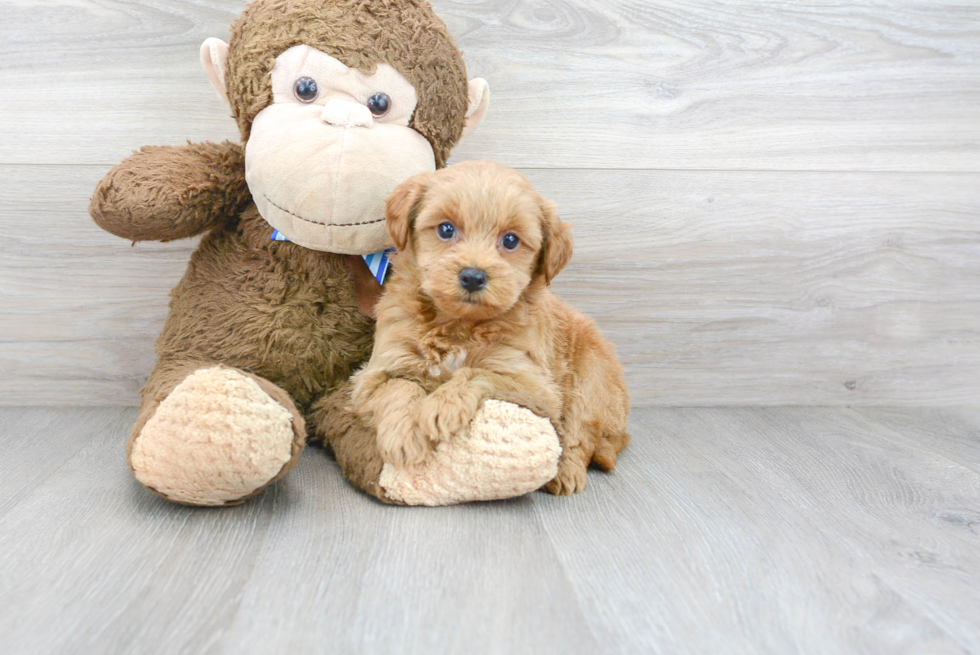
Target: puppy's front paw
x: 400, y: 440
x: 570, y: 480
x: 446, y: 411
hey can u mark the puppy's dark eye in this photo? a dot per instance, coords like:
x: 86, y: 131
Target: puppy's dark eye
x: 306, y: 89
x: 446, y: 231
x: 379, y: 104
x: 510, y: 241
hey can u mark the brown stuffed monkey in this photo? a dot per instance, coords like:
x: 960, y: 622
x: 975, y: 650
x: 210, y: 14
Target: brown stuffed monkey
x: 337, y: 101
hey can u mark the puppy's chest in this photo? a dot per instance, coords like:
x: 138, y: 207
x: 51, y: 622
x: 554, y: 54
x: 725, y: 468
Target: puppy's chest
x: 448, y: 364
x: 443, y: 355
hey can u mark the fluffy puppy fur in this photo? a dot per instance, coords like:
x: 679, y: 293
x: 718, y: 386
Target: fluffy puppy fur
x: 445, y: 341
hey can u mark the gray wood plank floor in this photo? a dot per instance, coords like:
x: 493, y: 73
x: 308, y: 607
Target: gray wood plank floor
x: 775, y: 530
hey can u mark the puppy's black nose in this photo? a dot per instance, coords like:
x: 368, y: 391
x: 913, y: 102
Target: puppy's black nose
x: 472, y: 279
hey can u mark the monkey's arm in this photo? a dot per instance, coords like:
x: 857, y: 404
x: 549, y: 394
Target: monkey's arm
x: 172, y: 192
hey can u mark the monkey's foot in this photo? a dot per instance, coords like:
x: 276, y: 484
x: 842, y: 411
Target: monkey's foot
x: 506, y: 451
x: 217, y: 439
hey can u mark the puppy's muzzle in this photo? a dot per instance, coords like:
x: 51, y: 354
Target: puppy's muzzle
x: 472, y: 279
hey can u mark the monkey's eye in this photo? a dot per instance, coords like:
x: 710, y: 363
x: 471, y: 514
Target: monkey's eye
x: 306, y: 89
x: 379, y: 104
x: 446, y: 231
x: 510, y: 241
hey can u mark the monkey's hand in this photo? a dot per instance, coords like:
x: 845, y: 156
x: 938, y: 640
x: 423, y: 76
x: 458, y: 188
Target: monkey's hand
x: 164, y: 193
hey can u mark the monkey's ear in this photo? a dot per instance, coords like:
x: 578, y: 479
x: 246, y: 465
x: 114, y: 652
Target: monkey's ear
x: 214, y: 57
x: 479, y: 98
x: 401, y: 208
x: 557, y: 247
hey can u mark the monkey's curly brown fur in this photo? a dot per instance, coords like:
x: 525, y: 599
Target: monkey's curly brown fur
x: 284, y: 315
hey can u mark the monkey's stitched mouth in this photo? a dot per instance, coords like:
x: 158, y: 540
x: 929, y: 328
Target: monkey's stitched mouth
x: 306, y: 220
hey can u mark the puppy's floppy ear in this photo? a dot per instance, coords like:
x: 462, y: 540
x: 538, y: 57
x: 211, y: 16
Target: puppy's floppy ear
x: 401, y: 208
x: 556, y: 248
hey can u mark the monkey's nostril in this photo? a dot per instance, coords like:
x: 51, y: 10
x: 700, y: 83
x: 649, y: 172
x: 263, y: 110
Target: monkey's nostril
x: 472, y: 279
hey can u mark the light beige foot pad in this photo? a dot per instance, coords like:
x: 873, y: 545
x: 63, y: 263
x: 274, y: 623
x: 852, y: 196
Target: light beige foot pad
x: 215, y: 439
x: 506, y: 451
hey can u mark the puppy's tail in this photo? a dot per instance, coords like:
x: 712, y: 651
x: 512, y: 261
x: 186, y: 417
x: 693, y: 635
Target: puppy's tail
x: 608, y: 449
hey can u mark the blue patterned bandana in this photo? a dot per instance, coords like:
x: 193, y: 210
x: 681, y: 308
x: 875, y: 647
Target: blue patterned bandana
x: 377, y: 262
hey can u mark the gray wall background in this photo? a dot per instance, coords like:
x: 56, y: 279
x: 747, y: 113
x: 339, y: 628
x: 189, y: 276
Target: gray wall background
x: 772, y: 203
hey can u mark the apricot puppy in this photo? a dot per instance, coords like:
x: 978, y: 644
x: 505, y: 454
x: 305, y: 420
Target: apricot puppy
x: 469, y: 315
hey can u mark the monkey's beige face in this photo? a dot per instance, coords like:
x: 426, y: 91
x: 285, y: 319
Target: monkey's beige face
x: 477, y: 239
x: 322, y: 158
